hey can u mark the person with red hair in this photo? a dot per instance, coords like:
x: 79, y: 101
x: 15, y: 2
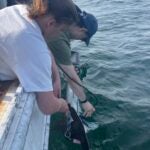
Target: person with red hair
x: 24, y: 54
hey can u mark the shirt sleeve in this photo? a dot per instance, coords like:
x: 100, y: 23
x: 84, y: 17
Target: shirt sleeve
x: 33, y: 64
x: 61, y: 50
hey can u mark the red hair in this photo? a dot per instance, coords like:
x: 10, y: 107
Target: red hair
x: 62, y: 10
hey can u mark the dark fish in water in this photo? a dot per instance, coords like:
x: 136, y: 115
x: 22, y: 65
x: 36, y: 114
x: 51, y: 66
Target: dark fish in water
x: 75, y: 129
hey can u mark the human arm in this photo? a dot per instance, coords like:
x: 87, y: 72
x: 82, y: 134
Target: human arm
x: 78, y: 90
x: 56, y: 79
x: 62, y: 52
x: 50, y: 104
x: 33, y: 68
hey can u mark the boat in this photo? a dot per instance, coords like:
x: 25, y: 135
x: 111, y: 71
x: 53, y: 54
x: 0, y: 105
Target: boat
x: 22, y: 125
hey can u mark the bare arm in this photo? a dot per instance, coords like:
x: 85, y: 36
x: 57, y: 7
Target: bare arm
x: 50, y: 104
x: 78, y: 90
x: 56, y: 78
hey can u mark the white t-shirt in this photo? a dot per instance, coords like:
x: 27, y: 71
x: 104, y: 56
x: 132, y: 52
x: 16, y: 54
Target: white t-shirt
x: 23, y: 51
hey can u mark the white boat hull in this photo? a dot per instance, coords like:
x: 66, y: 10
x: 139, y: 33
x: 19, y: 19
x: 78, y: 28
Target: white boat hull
x: 23, y: 127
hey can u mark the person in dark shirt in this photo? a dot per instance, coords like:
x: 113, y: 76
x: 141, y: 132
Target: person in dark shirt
x: 61, y: 49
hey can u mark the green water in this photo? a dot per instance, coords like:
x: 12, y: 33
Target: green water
x: 119, y: 76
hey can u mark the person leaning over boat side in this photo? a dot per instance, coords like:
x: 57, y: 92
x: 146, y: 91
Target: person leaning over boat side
x: 23, y: 50
x: 60, y: 47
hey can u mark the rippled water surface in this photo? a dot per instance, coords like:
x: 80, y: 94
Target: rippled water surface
x: 119, y: 74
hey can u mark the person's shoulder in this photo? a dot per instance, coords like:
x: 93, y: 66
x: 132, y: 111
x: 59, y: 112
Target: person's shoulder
x: 63, y: 36
x: 17, y: 8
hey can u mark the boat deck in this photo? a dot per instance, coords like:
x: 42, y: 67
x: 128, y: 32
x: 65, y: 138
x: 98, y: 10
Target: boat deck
x: 6, y: 93
x: 3, y: 108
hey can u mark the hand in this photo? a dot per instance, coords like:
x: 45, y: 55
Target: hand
x: 64, y: 106
x: 88, y: 109
x: 77, y: 69
x: 57, y: 88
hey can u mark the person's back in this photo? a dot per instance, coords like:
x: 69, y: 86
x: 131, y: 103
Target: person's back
x: 9, y: 24
x: 24, y: 53
x: 17, y: 29
x: 61, y: 49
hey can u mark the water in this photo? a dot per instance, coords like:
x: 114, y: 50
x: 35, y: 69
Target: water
x: 119, y: 74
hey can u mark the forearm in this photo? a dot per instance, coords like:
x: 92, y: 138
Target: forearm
x: 55, y: 72
x: 77, y: 89
x: 50, y: 104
